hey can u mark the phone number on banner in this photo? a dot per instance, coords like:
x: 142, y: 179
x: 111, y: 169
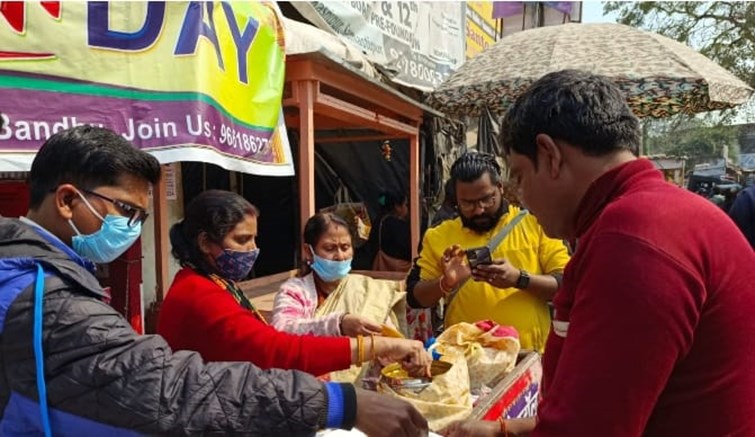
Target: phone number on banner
x: 233, y: 138
x: 418, y: 69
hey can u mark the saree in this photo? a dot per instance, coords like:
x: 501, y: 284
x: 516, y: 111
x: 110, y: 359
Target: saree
x: 378, y: 300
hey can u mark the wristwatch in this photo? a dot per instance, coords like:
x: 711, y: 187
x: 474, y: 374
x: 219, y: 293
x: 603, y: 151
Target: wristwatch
x: 524, y: 280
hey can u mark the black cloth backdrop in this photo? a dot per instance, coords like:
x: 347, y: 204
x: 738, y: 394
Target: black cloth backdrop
x: 367, y: 174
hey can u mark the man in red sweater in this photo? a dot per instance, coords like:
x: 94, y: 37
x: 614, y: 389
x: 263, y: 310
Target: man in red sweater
x: 653, y: 331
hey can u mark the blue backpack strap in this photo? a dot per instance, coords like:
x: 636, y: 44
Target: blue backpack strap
x: 39, y: 359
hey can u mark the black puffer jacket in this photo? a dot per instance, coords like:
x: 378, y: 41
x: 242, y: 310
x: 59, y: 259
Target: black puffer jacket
x: 104, y: 379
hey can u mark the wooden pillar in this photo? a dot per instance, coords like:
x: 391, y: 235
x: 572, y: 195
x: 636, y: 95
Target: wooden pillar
x: 306, y: 166
x: 162, y: 244
x: 414, y: 205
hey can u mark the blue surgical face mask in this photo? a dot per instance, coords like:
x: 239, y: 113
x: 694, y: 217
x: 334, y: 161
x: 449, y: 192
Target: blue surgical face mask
x: 329, y: 270
x: 235, y: 265
x: 114, y: 237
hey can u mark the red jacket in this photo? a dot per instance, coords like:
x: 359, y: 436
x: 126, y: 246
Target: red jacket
x: 198, y: 315
x: 654, y: 332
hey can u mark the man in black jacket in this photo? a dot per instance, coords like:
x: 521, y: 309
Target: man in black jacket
x: 89, y: 197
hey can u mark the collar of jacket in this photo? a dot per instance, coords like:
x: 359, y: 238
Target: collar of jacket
x: 609, y: 186
x: 21, y: 241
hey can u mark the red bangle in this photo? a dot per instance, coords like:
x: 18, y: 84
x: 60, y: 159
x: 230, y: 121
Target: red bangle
x: 504, y: 431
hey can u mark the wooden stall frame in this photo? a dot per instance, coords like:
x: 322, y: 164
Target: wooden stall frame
x: 162, y: 243
x: 361, y: 103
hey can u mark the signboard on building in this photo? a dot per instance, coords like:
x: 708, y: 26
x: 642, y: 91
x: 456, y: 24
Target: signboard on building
x: 481, y: 27
x: 185, y: 81
x: 422, y: 43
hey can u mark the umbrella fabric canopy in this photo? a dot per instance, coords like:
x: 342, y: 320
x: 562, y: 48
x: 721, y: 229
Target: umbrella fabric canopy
x: 660, y: 76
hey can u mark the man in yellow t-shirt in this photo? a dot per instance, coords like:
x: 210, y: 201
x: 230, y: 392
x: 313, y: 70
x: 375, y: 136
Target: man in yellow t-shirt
x: 525, y: 270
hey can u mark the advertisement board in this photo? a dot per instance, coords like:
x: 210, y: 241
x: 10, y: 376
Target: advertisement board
x: 419, y: 43
x: 481, y: 27
x: 185, y: 81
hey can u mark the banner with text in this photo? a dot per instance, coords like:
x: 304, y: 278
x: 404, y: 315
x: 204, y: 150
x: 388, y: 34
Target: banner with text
x: 481, y: 27
x: 185, y: 81
x: 422, y: 43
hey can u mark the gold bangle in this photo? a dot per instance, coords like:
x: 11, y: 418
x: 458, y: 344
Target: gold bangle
x: 372, y: 343
x: 360, y: 349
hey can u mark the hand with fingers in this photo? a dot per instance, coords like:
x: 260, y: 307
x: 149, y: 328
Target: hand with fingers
x: 500, y: 273
x: 410, y: 353
x: 455, y: 268
x: 382, y: 416
x: 472, y: 428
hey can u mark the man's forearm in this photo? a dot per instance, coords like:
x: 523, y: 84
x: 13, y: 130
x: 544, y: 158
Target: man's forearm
x: 428, y: 293
x: 543, y: 286
x: 520, y: 427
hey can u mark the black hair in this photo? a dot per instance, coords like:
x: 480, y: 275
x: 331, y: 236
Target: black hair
x: 88, y: 157
x: 586, y: 110
x: 471, y: 166
x: 318, y: 224
x: 215, y: 212
x: 389, y: 200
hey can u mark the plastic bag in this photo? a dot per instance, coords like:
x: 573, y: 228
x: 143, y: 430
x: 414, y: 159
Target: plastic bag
x: 445, y: 400
x: 490, y: 349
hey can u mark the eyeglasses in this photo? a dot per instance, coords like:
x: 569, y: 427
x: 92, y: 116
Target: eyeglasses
x: 471, y: 205
x: 135, y: 214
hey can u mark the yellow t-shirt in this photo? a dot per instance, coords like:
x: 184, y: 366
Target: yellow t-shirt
x: 526, y: 247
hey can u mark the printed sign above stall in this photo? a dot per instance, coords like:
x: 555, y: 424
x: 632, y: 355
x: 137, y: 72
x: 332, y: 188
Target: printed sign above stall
x: 185, y: 81
x: 481, y: 27
x: 419, y: 43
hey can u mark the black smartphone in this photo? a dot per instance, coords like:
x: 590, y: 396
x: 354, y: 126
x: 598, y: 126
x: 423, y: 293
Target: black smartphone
x: 478, y: 256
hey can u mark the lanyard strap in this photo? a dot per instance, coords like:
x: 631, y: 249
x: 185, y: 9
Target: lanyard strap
x: 503, y: 233
x: 39, y: 359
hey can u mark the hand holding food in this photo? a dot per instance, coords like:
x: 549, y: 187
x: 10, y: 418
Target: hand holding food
x: 410, y: 353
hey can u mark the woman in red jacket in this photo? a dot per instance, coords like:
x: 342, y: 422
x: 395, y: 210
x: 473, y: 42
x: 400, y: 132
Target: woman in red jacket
x: 205, y: 311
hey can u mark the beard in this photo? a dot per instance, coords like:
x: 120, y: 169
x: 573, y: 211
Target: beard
x: 484, y: 222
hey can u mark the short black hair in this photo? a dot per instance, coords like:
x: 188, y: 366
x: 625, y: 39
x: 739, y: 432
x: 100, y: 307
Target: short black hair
x: 88, y: 157
x: 318, y: 224
x: 586, y: 110
x: 215, y: 212
x: 391, y: 199
x: 471, y: 166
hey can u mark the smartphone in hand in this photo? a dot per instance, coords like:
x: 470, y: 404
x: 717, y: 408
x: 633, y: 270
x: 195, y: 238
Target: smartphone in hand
x: 478, y: 256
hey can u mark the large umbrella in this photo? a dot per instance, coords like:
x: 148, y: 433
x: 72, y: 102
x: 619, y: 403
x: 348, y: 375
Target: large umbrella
x: 660, y: 76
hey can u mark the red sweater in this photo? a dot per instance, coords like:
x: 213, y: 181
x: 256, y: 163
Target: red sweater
x: 198, y: 315
x: 654, y: 332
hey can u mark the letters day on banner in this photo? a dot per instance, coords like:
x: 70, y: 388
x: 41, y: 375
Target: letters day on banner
x: 185, y: 81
